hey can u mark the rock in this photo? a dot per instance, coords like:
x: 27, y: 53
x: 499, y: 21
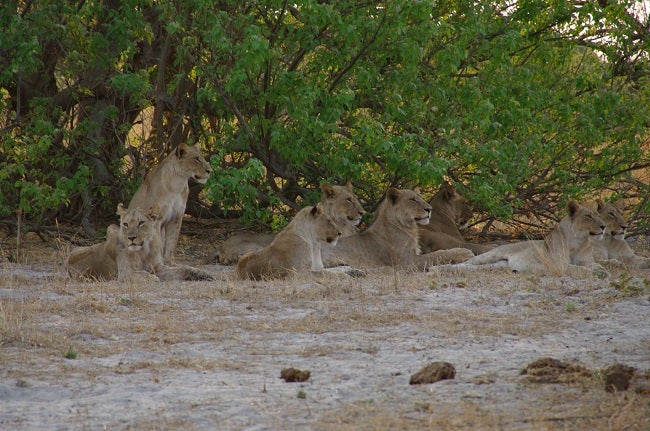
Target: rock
x: 434, y: 372
x: 617, y: 377
x: 294, y: 375
x: 550, y: 370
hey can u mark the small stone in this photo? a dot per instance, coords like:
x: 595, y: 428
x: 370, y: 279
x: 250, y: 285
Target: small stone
x: 22, y: 383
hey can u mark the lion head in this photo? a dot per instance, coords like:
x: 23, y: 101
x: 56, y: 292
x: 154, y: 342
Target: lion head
x: 137, y: 226
x: 450, y: 203
x: 323, y: 227
x: 613, y: 217
x: 192, y: 162
x: 342, y: 205
x: 405, y: 207
x: 585, y: 222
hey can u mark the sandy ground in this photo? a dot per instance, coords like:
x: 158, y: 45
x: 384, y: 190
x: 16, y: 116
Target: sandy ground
x: 208, y: 355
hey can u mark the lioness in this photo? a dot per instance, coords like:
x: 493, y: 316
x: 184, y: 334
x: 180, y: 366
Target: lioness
x: 166, y: 186
x: 296, y: 248
x: 392, y: 239
x: 343, y: 207
x: 95, y: 261
x: 338, y: 202
x: 566, y: 250
x: 448, y: 210
x: 139, y: 249
x: 613, y: 248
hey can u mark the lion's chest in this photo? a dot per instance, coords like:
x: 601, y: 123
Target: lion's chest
x: 173, y: 210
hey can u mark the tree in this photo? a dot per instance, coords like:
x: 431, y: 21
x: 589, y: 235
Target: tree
x: 523, y: 104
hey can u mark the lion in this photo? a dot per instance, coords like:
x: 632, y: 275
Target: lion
x: 338, y: 202
x: 448, y: 210
x: 166, y: 186
x: 392, y: 239
x: 342, y: 206
x: 613, y: 248
x: 566, y: 250
x: 139, y: 249
x: 295, y: 248
x: 238, y: 244
x: 95, y: 261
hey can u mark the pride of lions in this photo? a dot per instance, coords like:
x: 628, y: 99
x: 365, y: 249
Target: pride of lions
x: 407, y: 232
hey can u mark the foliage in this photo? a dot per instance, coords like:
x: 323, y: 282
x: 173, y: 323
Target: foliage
x: 522, y: 104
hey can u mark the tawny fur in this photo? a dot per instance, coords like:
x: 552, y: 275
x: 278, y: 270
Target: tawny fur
x: 139, y: 249
x: 448, y: 210
x: 338, y: 202
x: 392, y: 239
x: 613, y: 249
x: 167, y: 187
x: 296, y: 248
x: 566, y: 250
x: 95, y: 262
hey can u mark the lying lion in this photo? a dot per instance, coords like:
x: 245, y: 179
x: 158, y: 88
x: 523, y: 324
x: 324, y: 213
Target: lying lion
x: 566, y: 250
x: 448, y: 210
x: 338, y: 202
x: 139, y: 249
x: 95, y: 261
x: 613, y: 248
x: 296, y: 248
x: 166, y: 186
x: 392, y: 239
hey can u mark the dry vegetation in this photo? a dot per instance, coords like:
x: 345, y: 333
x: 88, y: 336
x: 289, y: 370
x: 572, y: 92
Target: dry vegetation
x: 208, y: 355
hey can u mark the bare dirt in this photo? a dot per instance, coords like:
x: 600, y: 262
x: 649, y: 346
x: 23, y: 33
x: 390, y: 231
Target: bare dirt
x: 209, y: 355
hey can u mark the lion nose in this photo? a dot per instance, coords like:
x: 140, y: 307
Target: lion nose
x: 132, y: 238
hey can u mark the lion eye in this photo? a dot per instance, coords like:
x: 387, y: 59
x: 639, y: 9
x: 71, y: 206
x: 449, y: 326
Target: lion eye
x: 141, y: 222
x: 125, y: 224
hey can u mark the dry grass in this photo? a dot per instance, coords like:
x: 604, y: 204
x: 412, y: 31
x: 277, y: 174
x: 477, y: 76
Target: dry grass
x: 201, y: 355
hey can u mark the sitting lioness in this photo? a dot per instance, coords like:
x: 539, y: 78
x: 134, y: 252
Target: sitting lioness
x: 613, y: 248
x: 139, y: 249
x: 338, y: 202
x: 566, y: 250
x: 392, y: 239
x: 95, y: 261
x: 296, y: 248
x: 448, y: 210
x: 166, y: 186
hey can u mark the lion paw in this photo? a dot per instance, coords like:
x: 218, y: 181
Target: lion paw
x: 459, y: 255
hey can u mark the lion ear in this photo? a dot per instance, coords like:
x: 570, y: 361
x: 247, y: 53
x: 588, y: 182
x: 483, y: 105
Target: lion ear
x: 327, y: 189
x: 154, y: 212
x: 417, y: 190
x: 599, y: 204
x: 315, y: 210
x: 447, y: 190
x: 348, y: 185
x: 573, y: 207
x: 393, y: 195
x: 121, y: 210
x: 620, y: 204
x: 181, y: 150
